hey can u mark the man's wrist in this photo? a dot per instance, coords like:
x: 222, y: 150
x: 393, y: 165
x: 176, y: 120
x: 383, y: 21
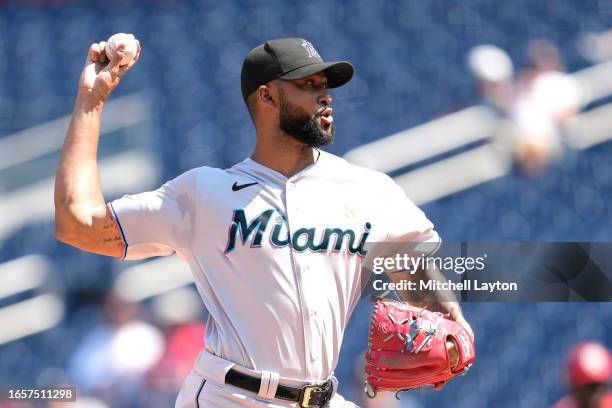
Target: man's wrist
x: 87, y: 102
x: 453, y: 309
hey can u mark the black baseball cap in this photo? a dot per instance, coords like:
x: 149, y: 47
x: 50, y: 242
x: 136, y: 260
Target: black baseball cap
x: 289, y: 58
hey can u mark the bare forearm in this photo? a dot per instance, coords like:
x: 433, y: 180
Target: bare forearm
x: 77, y: 184
x: 81, y: 216
x: 434, y: 300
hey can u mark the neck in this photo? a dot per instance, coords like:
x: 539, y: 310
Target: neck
x: 283, y: 154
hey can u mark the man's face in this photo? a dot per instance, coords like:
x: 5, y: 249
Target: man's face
x: 305, y: 110
x: 590, y: 395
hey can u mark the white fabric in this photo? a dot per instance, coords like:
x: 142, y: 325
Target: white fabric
x: 214, y: 368
x: 268, y: 385
x: 273, y: 385
x: 202, y: 387
x: 211, y: 395
x: 277, y: 263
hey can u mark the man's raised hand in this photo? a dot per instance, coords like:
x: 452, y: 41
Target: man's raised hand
x: 100, y: 76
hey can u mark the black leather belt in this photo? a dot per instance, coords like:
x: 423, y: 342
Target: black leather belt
x: 308, y: 396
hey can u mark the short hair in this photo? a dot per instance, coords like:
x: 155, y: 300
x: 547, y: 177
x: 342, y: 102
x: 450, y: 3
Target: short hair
x: 251, y: 103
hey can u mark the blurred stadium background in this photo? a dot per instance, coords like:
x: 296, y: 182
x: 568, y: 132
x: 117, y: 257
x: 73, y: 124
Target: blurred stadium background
x: 454, y: 125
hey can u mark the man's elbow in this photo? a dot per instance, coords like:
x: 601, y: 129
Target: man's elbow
x: 65, y: 234
x: 83, y: 228
x: 67, y: 228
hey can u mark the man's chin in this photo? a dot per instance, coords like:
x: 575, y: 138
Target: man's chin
x: 327, y: 134
x: 329, y: 139
x: 316, y: 142
x: 312, y: 138
x: 324, y: 138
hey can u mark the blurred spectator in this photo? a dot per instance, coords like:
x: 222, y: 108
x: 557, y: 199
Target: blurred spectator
x: 596, y: 47
x: 184, y: 345
x: 546, y: 96
x: 536, y: 104
x: 111, y: 360
x: 81, y: 402
x: 589, y: 371
x: 492, y: 69
x: 179, y: 313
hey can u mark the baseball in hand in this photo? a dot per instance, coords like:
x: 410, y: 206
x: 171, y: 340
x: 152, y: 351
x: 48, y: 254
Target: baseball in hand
x: 129, y: 51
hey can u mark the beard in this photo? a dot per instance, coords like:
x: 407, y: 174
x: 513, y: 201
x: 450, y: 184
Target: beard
x: 301, y: 126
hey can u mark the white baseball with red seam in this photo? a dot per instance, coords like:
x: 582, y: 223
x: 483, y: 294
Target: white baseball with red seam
x: 130, y: 50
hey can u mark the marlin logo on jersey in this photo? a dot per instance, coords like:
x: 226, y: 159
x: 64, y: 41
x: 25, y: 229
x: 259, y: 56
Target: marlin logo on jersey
x: 330, y: 239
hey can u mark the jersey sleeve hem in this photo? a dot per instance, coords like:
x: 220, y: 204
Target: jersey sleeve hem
x: 120, y: 229
x: 438, y: 242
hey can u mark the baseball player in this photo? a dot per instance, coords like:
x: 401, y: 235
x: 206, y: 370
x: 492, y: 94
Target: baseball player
x: 275, y: 242
x: 588, y: 374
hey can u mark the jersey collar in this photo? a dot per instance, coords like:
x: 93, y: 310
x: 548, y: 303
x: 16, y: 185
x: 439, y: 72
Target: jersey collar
x: 274, y: 177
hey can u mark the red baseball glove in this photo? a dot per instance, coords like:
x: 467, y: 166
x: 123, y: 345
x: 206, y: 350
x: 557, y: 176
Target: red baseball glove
x: 407, y: 348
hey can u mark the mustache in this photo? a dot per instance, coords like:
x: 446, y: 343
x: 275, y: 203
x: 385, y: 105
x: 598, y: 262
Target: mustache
x: 319, y: 111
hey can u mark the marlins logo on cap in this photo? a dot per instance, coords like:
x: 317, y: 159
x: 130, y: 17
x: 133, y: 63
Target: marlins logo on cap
x: 288, y: 59
x: 310, y: 49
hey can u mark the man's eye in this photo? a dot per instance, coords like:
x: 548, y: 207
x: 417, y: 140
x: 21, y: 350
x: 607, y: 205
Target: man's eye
x: 312, y: 84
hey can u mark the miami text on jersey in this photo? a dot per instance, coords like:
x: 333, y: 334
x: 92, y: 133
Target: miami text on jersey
x: 301, y: 240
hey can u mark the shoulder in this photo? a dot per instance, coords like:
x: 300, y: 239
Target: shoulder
x: 372, y: 178
x: 205, y: 173
x: 197, y: 179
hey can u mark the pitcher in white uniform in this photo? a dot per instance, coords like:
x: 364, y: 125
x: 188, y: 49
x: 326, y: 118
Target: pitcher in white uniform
x: 275, y: 243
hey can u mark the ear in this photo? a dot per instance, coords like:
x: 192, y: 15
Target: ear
x: 265, y: 94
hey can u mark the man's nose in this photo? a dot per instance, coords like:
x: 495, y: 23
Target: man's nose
x: 325, y: 98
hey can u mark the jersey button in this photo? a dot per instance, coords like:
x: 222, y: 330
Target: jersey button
x: 291, y: 185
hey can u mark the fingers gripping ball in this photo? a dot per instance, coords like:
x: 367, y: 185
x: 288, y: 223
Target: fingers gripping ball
x: 130, y: 50
x: 407, y: 348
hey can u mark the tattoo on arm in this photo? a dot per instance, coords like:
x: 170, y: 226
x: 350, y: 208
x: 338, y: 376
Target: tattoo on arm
x: 111, y: 237
x: 434, y: 300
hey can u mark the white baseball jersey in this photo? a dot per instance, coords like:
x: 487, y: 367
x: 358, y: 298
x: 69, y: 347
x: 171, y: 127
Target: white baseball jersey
x: 275, y: 259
